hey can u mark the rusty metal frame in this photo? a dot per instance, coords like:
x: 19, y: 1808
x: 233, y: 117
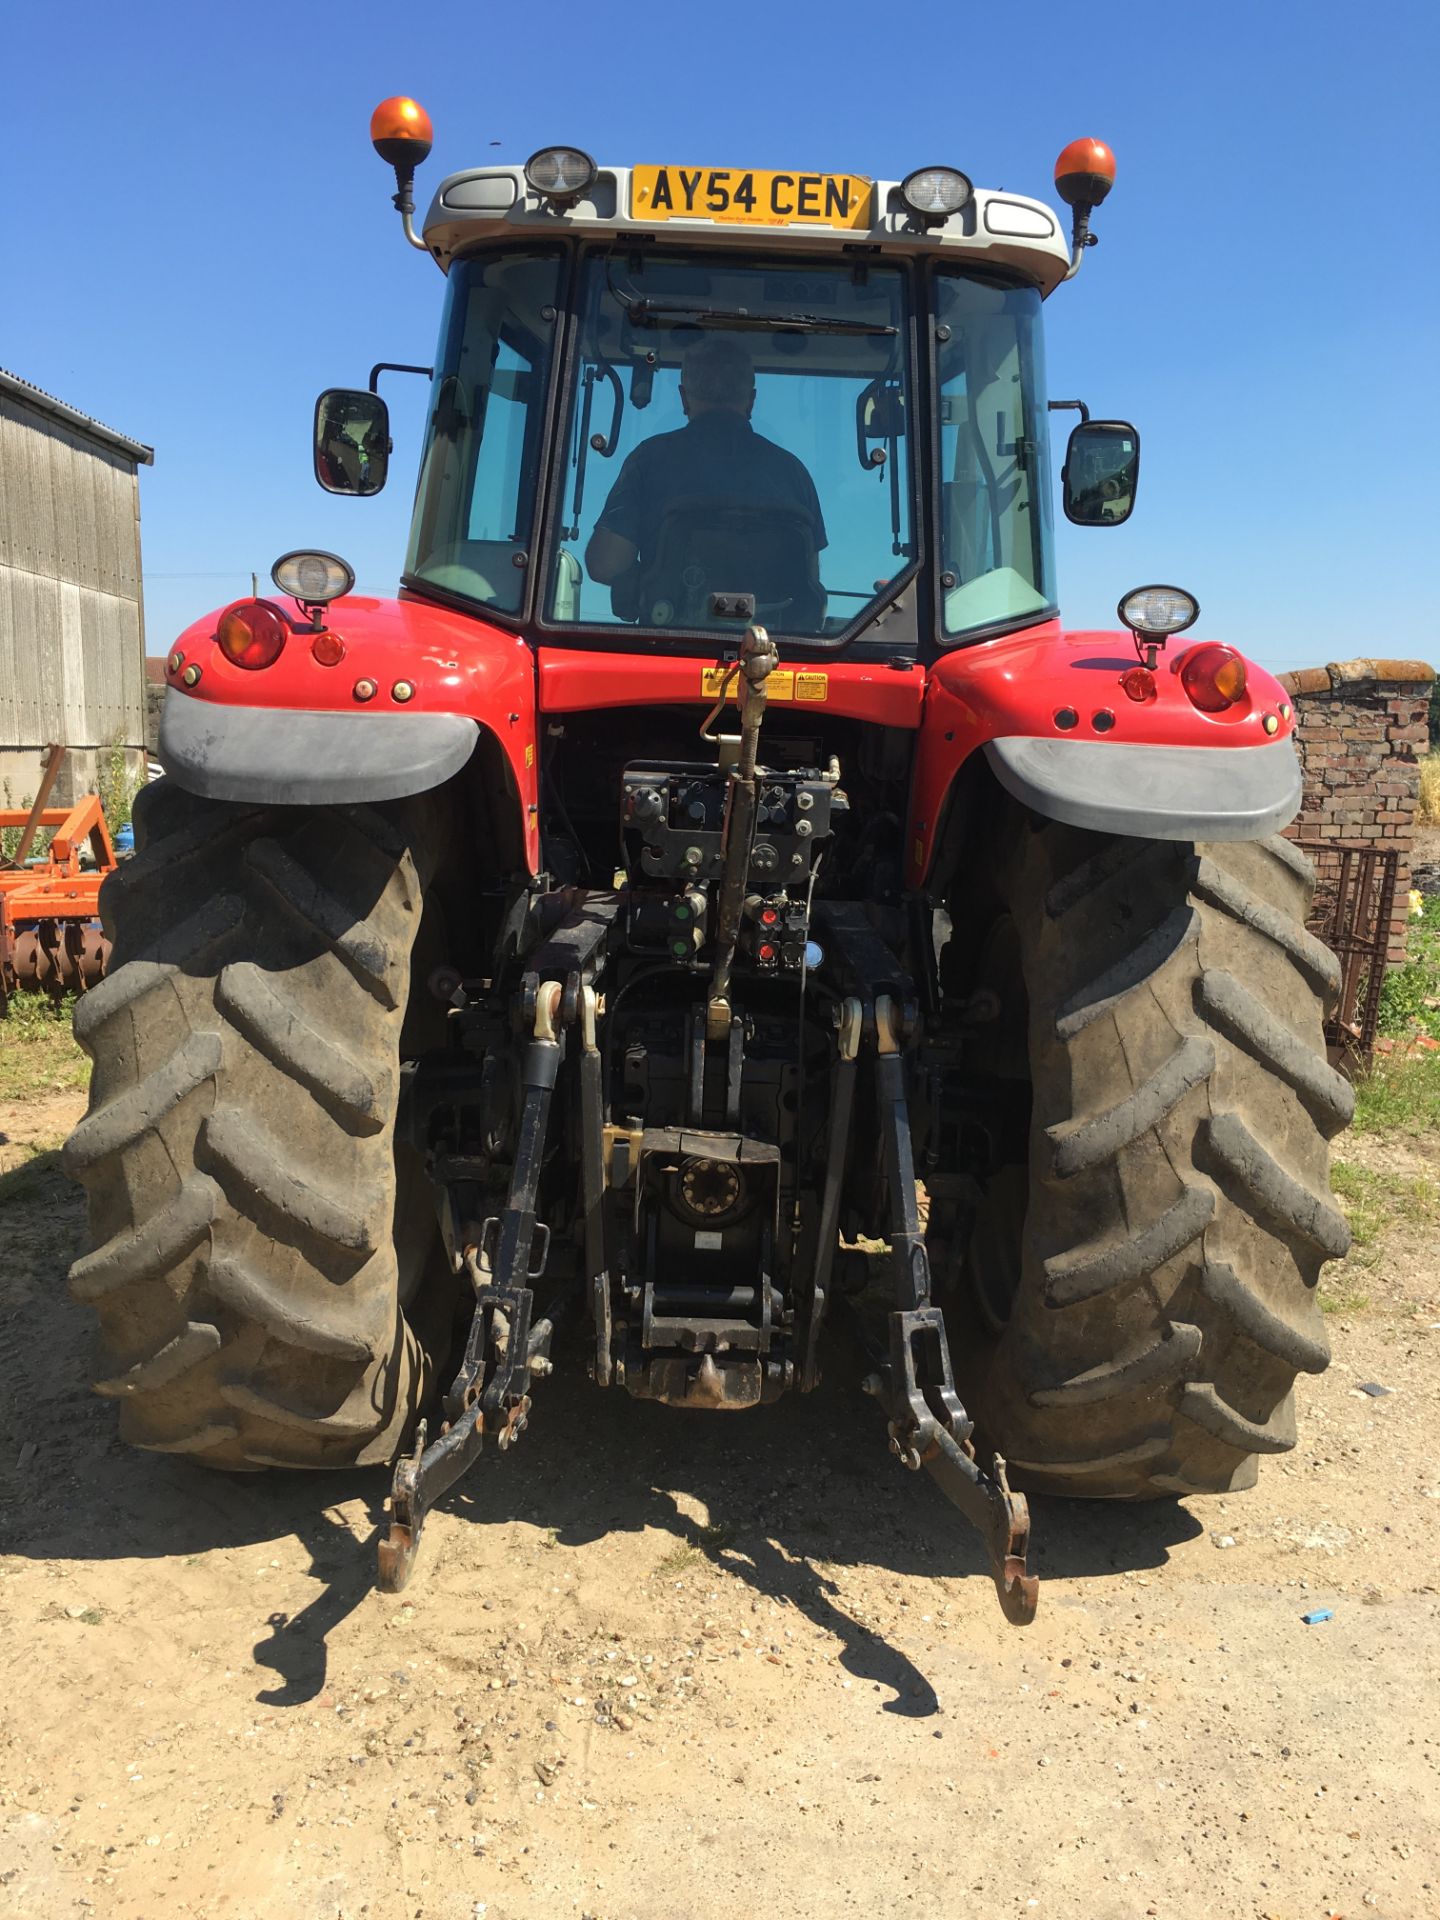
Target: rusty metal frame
x: 1351, y: 913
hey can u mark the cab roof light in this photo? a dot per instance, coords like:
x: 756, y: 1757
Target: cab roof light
x: 560, y: 174
x: 401, y: 133
x: 1084, y: 174
x: 934, y: 193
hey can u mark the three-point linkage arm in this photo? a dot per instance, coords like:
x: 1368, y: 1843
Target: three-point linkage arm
x: 758, y: 656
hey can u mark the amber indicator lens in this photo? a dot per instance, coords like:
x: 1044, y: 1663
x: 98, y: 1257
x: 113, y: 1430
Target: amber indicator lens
x: 1213, y: 678
x: 252, y: 634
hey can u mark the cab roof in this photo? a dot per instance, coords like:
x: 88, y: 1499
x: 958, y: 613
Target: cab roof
x: 486, y: 204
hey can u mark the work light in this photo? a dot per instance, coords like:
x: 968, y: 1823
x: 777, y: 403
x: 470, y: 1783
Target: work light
x: 935, y: 192
x: 313, y: 578
x: 559, y: 173
x: 1159, y: 611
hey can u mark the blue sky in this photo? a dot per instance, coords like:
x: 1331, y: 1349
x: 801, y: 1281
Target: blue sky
x: 197, y: 238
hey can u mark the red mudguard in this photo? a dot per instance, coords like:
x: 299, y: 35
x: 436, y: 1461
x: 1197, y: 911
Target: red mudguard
x: 398, y: 713
x: 1063, y: 735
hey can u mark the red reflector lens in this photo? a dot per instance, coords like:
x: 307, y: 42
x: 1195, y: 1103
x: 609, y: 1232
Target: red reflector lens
x: 1139, y: 684
x: 768, y: 917
x: 328, y: 649
x: 252, y: 634
x: 1213, y: 677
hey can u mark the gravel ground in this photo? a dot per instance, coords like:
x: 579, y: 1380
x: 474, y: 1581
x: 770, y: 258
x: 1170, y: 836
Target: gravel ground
x: 656, y: 1666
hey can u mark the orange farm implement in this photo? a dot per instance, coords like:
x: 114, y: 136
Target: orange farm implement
x: 50, y: 936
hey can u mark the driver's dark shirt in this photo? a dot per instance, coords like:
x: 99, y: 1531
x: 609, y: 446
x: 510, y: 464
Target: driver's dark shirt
x: 716, y: 456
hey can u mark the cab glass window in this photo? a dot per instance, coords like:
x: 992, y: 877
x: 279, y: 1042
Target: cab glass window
x: 734, y: 427
x: 475, y: 504
x: 997, y: 538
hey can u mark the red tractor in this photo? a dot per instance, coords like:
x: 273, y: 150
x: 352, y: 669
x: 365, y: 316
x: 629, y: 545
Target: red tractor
x: 715, y: 862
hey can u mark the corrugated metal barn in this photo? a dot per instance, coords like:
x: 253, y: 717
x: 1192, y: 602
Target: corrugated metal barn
x: 72, y: 632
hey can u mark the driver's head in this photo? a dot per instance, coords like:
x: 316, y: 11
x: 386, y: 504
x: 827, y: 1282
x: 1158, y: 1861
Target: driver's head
x: 716, y: 377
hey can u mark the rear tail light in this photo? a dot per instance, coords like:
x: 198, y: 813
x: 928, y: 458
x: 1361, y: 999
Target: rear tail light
x: 251, y: 634
x: 1213, y: 677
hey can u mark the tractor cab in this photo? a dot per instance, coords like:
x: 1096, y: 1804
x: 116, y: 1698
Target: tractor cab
x: 664, y: 392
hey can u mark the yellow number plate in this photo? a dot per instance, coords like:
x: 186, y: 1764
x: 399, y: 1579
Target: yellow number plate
x: 751, y: 199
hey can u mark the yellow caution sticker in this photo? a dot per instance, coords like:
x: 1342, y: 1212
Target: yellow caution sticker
x: 783, y: 684
x: 529, y: 754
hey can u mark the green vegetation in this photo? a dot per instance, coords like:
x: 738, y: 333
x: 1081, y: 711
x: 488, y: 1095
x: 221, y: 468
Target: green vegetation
x: 116, y: 785
x: 1340, y: 1297
x: 1399, y: 1094
x: 1375, y: 1203
x: 10, y: 836
x: 1410, y: 997
x: 1427, y: 806
x: 685, y: 1556
x: 38, y: 1054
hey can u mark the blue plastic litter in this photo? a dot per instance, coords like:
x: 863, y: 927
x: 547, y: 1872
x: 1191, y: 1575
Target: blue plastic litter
x: 1319, y: 1614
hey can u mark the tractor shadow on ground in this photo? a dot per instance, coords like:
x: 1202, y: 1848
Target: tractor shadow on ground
x: 792, y: 1494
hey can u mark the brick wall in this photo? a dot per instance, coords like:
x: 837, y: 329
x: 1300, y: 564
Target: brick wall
x: 1360, y: 727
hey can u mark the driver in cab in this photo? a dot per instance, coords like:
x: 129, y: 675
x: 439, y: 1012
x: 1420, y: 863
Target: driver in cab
x: 716, y: 457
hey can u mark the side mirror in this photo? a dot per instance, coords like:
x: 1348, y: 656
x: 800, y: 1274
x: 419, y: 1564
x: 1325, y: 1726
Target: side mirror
x: 352, y: 441
x: 1101, y: 473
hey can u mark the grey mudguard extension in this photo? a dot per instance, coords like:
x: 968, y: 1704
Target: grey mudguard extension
x: 308, y: 759
x: 1153, y: 793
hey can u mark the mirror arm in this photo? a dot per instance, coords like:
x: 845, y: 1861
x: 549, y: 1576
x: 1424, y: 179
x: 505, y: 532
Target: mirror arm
x: 395, y: 366
x: 1070, y: 406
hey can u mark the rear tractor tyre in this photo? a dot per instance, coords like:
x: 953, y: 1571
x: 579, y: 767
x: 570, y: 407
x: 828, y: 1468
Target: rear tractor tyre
x: 1178, y: 1184
x: 265, y: 1261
